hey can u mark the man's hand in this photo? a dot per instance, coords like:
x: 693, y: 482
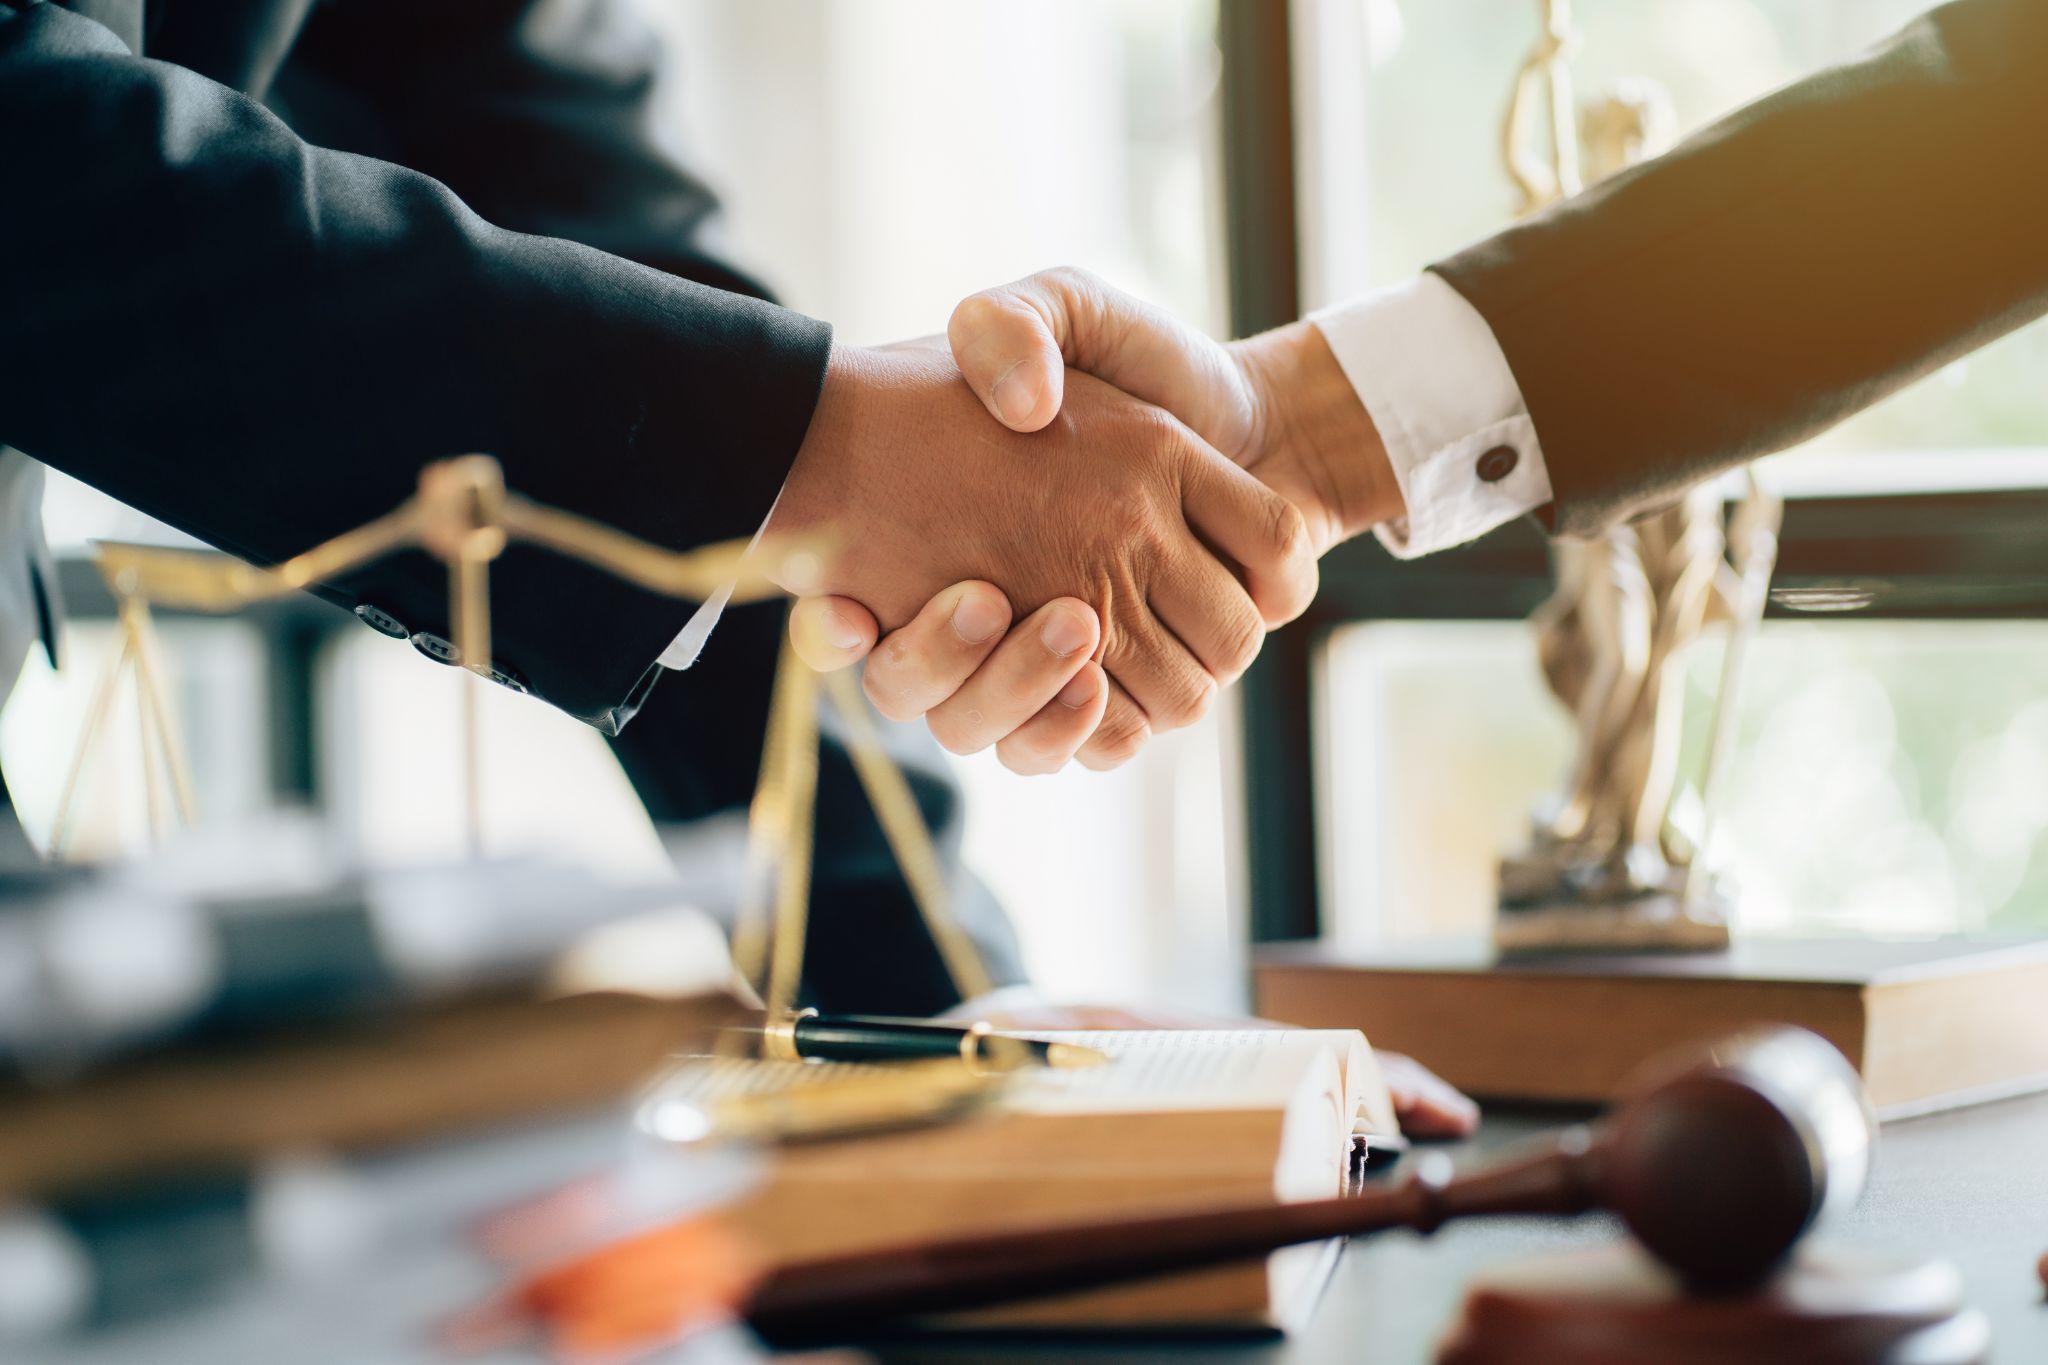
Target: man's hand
x: 1034, y: 692
x: 1278, y: 403
x: 1114, y: 503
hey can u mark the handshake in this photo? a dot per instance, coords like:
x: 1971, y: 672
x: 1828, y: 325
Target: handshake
x: 1091, y: 565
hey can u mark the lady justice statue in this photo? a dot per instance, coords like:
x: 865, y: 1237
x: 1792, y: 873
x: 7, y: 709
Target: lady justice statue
x: 1606, y: 867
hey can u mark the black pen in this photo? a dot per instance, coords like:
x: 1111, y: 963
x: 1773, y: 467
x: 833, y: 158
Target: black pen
x: 881, y: 1038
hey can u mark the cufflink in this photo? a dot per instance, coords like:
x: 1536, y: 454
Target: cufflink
x: 1497, y: 463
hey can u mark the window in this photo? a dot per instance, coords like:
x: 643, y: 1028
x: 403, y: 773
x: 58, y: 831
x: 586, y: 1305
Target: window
x: 915, y: 151
x: 1881, y: 779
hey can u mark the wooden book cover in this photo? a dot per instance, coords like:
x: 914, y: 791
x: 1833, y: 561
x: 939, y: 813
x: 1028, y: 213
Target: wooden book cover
x: 1930, y: 1023
x: 1178, y: 1120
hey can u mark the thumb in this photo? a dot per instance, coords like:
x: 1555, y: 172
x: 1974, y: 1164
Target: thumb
x: 1014, y: 342
x: 830, y: 633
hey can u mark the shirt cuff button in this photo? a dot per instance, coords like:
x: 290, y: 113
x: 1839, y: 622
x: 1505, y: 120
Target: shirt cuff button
x: 1497, y: 463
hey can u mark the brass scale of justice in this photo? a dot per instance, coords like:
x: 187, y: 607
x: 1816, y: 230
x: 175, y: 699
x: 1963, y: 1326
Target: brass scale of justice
x: 463, y: 515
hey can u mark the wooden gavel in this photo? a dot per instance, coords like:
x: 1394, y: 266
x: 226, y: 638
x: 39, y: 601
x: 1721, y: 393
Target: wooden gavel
x: 1718, y: 1163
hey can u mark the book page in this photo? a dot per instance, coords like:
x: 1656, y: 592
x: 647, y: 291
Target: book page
x: 1154, y: 1069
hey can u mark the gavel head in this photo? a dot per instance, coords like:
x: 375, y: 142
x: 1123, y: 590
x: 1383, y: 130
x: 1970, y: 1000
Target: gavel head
x: 1721, y: 1162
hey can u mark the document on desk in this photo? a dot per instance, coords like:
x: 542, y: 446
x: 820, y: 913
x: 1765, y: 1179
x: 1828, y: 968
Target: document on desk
x: 1177, y: 1120
x: 1212, y: 1068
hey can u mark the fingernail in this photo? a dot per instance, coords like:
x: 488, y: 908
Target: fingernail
x: 1080, y: 690
x: 1064, y: 632
x: 1013, y: 395
x: 842, y: 633
x: 977, y: 617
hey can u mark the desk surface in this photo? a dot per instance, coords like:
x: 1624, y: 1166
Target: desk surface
x: 1970, y: 1186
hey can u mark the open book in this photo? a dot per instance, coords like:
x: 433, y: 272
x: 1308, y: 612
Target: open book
x: 1178, y: 1120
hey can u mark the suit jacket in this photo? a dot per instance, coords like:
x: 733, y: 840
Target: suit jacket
x: 259, y: 338
x: 692, y: 753
x: 1784, y: 268
x: 268, y: 268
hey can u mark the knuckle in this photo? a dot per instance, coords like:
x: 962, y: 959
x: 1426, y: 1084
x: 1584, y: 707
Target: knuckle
x: 1287, y: 534
x: 1117, y: 740
x: 1161, y: 431
x: 1306, y: 588
x: 1130, y: 522
x: 1071, y: 277
x: 1246, y: 634
x: 1291, y: 564
x: 1186, y: 703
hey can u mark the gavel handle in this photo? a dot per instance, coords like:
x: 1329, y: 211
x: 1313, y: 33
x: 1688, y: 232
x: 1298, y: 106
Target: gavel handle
x: 835, y: 1295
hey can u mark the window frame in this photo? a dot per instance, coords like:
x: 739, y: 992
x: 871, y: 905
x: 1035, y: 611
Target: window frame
x: 1975, y: 555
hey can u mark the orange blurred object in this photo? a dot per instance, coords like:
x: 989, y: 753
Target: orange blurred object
x: 634, y: 1295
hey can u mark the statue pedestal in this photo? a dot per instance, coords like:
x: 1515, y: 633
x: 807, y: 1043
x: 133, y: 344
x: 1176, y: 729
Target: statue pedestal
x: 1930, y: 1023
x: 1651, y: 924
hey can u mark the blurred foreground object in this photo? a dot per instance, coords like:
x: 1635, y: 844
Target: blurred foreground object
x: 1175, y: 1120
x: 1606, y: 868
x: 243, y: 1061
x: 465, y: 516
x: 1720, y: 1163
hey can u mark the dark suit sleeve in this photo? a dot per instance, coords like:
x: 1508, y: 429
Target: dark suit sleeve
x: 692, y: 754
x: 1783, y: 269
x: 260, y: 341
x: 544, y: 118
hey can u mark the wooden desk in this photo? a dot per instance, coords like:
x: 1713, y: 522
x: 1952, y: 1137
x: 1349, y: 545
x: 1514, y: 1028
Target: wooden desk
x: 1971, y: 1186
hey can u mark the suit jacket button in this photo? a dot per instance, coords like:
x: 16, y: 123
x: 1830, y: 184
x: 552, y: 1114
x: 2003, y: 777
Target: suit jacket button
x: 439, y: 648
x: 1498, y: 463
x: 381, y: 621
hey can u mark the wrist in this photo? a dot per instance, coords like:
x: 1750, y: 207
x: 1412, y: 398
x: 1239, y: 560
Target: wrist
x: 814, y: 488
x: 1313, y: 426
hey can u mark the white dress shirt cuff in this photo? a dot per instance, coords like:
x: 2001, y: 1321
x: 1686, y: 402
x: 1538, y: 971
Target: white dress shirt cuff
x: 689, y: 642
x: 1457, y: 433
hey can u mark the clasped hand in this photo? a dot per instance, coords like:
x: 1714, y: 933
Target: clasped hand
x: 1092, y: 565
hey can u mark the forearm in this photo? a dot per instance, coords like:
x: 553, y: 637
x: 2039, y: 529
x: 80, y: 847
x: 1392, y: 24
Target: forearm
x: 1781, y: 270
x: 260, y: 342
